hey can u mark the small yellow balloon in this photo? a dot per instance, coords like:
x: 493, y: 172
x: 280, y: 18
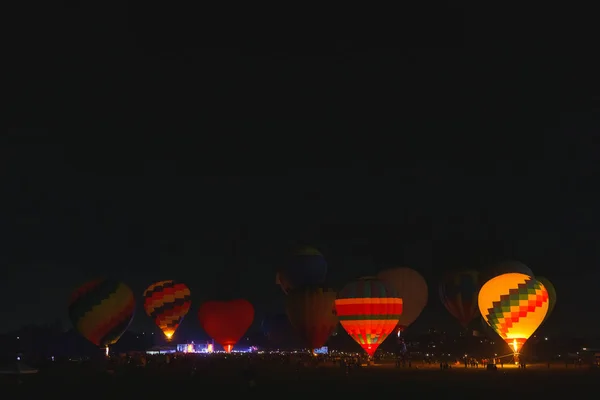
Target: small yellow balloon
x: 514, y: 305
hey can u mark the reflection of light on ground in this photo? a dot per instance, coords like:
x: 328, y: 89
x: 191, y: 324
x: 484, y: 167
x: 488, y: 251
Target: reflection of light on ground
x: 422, y: 366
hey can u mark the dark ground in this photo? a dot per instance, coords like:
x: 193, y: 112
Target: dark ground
x: 168, y: 382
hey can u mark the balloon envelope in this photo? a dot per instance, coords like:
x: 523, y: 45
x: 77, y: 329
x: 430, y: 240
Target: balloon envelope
x: 167, y: 303
x: 306, y: 267
x: 551, y: 294
x: 368, y: 310
x: 514, y: 305
x: 458, y: 293
x: 311, y: 311
x: 101, y: 310
x: 226, y: 321
x: 409, y: 285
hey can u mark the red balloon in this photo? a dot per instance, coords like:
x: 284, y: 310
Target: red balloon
x: 226, y: 321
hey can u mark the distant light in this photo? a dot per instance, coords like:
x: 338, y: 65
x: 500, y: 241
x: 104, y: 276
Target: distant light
x: 52, y: 358
x: 18, y: 358
x: 18, y: 338
x: 545, y: 338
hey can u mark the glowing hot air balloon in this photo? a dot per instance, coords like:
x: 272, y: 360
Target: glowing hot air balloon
x: 458, y: 292
x: 412, y: 288
x: 368, y: 310
x: 101, y: 311
x: 306, y: 267
x: 514, y: 305
x: 167, y: 303
x: 226, y: 321
x: 551, y: 294
x: 311, y: 311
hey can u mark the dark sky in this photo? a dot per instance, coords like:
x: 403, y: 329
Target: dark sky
x: 152, y: 144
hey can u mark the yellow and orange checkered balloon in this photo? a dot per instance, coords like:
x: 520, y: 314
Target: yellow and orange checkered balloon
x: 514, y: 305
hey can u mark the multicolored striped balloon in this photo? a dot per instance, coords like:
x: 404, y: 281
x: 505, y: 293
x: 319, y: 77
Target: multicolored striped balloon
x: 369, y: 310
x: 167, y: 303
x: 101, y: 310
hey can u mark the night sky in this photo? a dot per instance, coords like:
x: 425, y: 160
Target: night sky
x: 146, y: 145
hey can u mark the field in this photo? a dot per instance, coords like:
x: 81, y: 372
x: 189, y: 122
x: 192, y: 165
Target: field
x: 233, y: 377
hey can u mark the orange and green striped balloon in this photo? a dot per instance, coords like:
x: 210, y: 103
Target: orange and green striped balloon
x: 101, y: 310
x: 369, y: 310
